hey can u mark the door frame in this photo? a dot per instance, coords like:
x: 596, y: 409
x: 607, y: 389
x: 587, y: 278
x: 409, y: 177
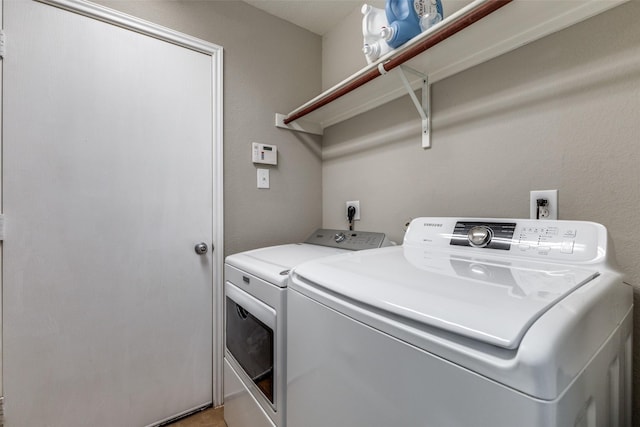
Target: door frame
x: 215, y: 52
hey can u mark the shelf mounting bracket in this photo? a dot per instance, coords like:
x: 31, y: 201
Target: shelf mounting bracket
x: 299, y: 125
x: 423, y: 106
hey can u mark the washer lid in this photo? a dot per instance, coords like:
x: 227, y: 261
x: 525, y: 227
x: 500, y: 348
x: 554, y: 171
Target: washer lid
x: 272, y: 262
x: 490, y: 300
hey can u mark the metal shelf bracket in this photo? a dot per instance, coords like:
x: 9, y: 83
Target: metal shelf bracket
x: 299, y: 125
x: 423, y: 106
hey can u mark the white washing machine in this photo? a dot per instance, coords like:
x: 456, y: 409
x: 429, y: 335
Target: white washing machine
x: 255, y: 322
x: 470, y: 323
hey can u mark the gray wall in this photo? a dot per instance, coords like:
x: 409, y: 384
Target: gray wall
x: 269, y: 66
x: 563, y: 113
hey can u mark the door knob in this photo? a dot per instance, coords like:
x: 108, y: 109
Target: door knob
x: 201, y: 248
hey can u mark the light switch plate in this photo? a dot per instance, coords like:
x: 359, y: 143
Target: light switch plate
x: 263, y: 178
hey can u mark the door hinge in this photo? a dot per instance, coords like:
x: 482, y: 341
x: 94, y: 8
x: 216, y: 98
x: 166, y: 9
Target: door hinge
x: 1, y: 239
x: 2, y: 46
x: 1, y: 411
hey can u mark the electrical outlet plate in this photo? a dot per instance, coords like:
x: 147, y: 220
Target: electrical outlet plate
x: 552, y: 198
x: 356, y: 204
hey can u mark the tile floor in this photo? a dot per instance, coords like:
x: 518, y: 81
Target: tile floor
x: 207, y: 418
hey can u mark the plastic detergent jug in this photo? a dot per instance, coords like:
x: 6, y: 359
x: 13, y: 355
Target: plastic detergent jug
x: 373, y: 20
x: 431, y: 15
x: 405, y: 17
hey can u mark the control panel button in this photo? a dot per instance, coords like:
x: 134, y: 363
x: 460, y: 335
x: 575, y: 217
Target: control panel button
x: 567, y: 247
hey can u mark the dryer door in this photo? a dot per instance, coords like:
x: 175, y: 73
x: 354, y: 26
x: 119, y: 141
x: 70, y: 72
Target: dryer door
x: 250, y: 336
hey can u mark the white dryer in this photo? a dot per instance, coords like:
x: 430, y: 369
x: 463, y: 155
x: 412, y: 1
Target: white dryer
x: 470, y: 323
x: 255, y: 322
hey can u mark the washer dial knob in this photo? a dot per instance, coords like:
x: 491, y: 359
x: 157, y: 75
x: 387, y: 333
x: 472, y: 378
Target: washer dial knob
x: 480, y: 236
x: 339, y: 237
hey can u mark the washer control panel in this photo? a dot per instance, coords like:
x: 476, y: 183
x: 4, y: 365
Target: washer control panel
x: 542, y: 239
x: 492, y: 235
x: 344, y: 239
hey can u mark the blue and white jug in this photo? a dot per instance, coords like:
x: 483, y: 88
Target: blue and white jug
x: 408, y: 18
x: 373, y: 21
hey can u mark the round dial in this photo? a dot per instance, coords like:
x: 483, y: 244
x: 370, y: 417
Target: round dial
x: 480, y: 236
x: 339, y: 237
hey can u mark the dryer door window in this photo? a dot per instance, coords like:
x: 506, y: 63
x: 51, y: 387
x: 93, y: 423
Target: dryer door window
x: 250, y: 338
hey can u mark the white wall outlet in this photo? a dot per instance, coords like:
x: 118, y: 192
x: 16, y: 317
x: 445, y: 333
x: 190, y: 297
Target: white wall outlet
x: 549, y: 210
x: 263, y: 178
x: 355, y: 204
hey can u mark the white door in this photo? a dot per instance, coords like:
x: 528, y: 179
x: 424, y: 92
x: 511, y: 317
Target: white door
x: 108, y: 185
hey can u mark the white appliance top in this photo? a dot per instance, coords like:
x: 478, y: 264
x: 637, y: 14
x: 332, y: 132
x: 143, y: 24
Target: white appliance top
x: 488, y: 280
x: 274, y: 262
